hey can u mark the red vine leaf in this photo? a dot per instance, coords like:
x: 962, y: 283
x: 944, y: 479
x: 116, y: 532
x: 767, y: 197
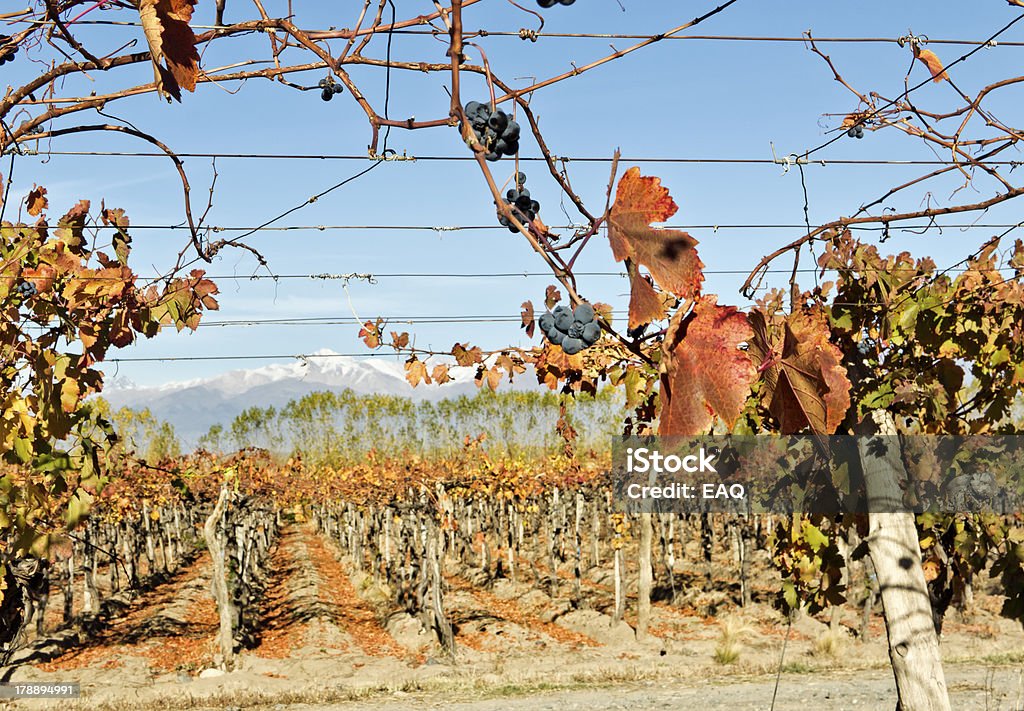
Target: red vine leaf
x: 704, y: 373
x: 36, y: 201
x: 805, y: 382
x: 932, y: 61
x: 171, y: 41
x: 528, y: 320
x: 668, y: 254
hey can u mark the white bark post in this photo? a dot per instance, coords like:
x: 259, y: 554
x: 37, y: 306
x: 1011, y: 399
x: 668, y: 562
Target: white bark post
x: 645, y: 578
x: 896, y: 556
x: 219, y: 586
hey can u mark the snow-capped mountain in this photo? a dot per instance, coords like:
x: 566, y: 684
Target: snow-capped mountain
x: 192, y: 406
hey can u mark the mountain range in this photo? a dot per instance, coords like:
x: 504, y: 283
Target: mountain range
x: 192, y: 406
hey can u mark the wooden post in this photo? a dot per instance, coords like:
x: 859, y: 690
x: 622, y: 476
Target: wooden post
x: 219, y: 585
x: 896, y: 555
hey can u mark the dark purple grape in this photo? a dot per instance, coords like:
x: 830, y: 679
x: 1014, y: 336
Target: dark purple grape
x: 591, y: 333
x: 572, y: 346
x: 498, y: 121
x: 584, y: 313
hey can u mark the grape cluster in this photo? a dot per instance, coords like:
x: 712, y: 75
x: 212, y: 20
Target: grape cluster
x: 523, y: 206
x: 496, y: 130
x: 856, y: 131
x: 573, y: 330
x: 7, y: 49
x: 552, y: 3
x: 27, y: 289
x: 328, y: 88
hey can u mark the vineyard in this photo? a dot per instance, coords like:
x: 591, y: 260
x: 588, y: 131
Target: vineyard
x: 482, y: 525
x: 453, y: 577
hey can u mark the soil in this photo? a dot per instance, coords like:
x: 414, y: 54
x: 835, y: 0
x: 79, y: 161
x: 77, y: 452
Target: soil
x: 326, y: 641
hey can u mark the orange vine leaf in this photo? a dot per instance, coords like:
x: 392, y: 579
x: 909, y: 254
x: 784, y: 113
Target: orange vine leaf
x: 36, y: 201
x: 644, y: 303
x: 669, y: 255
x: 932, y: 61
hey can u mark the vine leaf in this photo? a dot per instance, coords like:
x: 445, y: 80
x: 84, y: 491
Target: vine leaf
x: 71, y: 228
x: 371, y: 333
x: 528, y: 319
x: 121, y: 241
x: 440, y: 374
x: 171, y: 41
x: 36, y: 201
x: 669, y: 255
x: 644, y: 303
x: 416, y: 371
x: 467, y: 356
x: 932, y: 61
x: 805, y: 382
x: 705, y: 372
x: 491, y: 376
x: 551, y: 297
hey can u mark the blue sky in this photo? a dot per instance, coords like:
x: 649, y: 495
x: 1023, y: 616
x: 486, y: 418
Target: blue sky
x: 677, y: 99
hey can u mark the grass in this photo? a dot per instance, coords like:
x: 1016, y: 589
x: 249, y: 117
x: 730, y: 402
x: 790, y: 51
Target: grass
x: 829, y: 643
x: 1004, y: 658
x: 729, y: 646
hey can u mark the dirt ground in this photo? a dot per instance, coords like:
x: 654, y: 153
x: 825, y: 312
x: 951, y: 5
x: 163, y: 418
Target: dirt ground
x: 323, y: 644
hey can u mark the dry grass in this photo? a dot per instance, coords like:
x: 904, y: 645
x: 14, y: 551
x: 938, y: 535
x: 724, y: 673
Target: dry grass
x: 730, y: 640
x: 830, y: 643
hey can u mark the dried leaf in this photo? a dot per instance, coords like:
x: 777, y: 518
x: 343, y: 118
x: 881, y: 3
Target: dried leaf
x: 399, y: 340
x: 668, y: 254
x: 371, y: 334
x: 71, y: 228
x: 528, y: 320
x: 705, y: 372
x: 932, y: 61
x: 36, y: 200
x: 416, y: 372
x: 440, y: 374
x: 491, y: 376
x: 551, y: 297
x: 805, y: 382
x: 171, y: 41
x: 466, y: 356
